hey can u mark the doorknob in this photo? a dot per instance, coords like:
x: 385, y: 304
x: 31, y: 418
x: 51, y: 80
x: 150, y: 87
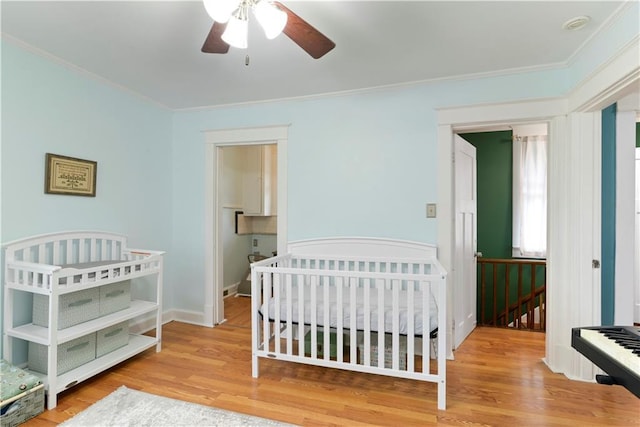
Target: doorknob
x: 478, y: 254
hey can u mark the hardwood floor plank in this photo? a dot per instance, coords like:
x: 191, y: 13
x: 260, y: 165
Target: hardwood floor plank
x: 497, y: 379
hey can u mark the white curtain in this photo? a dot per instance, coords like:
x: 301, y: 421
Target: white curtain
x: 530, y: 197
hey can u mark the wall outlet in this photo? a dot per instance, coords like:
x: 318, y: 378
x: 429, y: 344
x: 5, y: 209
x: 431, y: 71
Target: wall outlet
x: 255, y: 242
x: 431, y: 210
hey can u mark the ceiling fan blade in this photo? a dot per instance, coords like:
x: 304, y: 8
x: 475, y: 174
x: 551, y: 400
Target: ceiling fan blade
x: 214, y: 43
x: 304, y: 35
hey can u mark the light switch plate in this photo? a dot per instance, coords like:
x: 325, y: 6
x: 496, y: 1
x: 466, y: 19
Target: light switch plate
x: 431, y: 210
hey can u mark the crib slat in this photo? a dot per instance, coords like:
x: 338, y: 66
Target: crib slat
x: 340, y: 320
x: 266, y: 292
x: 395, y: 328
x: 313, y: 304
x: 367, y: 322
x: 277, y: 325
x: 380, y: 323
x: 426, y: 326
x: 301, y: 310
x: 411, y: 318
x: 326, y: 333
x: 286, y: 283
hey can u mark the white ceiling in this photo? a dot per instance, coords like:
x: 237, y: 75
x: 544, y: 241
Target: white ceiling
x: 153, y: 47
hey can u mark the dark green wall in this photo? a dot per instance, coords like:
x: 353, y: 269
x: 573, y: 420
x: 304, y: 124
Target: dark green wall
x: 638, y: 134
x: 495, y: 170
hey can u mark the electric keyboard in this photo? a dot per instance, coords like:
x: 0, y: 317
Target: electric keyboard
x: 615, y: 350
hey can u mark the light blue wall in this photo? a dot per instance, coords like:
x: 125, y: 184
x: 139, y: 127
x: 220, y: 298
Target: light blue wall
x: 358, y: 165
x: 47, y: 108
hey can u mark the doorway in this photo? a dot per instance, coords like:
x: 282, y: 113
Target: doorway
x: 248, y: 192
x: 458, y: 120
x: 214, y: 226
x: 511, y: 227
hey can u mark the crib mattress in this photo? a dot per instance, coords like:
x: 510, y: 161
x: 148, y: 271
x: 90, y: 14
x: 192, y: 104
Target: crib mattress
x: 331, y: 320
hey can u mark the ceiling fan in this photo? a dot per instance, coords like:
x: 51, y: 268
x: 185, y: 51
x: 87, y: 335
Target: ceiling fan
x: 231, y: 23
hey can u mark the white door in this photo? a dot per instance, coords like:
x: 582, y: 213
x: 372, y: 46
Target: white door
x: 465, y: 276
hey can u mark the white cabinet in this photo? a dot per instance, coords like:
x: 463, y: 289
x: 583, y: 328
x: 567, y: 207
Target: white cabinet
x: 259, y: 184
x: 56, y: 265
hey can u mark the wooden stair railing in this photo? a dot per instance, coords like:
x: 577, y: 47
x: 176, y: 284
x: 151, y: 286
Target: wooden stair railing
x: 525, y: 310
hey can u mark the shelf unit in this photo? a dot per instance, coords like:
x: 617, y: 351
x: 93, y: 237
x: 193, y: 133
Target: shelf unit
x: 36, y: 265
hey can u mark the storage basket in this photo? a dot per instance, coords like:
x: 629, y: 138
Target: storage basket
x: 71, y: 354
x: 388, y: 351
x: 73, y: 308
x: 115, y: 297
x: 112, y: 338
x: 22, y: 395
x: 333, y: 343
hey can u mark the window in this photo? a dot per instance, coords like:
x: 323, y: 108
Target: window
x: 530, y: 196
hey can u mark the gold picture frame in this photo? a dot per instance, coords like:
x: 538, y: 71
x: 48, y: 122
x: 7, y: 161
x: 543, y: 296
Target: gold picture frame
x: 70, y: 176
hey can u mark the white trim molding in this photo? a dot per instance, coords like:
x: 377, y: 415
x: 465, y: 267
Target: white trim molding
x: 614, y: 80
x: 215, y: 140
x: 473, y: 117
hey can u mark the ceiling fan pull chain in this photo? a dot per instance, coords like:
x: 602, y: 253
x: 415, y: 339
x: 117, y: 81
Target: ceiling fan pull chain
x: 246, y: 60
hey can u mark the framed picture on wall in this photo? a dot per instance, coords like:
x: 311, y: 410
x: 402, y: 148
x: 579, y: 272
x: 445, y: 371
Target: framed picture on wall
x: 71, y: 176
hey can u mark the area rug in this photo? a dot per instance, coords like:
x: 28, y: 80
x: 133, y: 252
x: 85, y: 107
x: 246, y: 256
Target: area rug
x: 127, y: 407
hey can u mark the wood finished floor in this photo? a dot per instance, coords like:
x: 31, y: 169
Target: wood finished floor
x: 496, y: 379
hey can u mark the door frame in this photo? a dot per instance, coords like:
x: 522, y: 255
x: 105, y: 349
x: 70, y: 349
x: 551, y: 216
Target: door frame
x: 480, y: 118
x: 214, y: 141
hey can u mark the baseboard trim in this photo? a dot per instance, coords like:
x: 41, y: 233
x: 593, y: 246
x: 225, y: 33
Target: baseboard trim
x: 230, y: 290
x: 148, y: 323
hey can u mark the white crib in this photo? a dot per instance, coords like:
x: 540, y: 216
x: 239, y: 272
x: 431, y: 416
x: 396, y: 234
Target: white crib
x: 328, y: 301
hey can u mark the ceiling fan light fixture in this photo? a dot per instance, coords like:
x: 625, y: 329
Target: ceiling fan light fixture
x: 220, y: 10
x: 271, y: 18
x: 236, y: 32
x: 275, y: 18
